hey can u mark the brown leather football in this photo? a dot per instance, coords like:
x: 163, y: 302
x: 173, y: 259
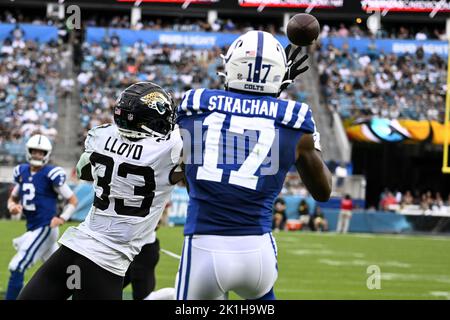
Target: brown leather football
x: 302, y: 29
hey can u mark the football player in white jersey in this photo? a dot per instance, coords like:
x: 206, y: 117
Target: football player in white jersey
x: 131, y: 163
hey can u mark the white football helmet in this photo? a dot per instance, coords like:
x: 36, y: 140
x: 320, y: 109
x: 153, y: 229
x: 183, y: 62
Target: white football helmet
x: 255, y: 62
x: 39, y: 142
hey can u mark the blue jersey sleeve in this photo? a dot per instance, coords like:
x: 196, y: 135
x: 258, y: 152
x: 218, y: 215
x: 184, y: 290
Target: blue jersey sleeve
x: 57, y: 176
x: 191, y: 103
x: 16, y: 174
x: 299, y: 116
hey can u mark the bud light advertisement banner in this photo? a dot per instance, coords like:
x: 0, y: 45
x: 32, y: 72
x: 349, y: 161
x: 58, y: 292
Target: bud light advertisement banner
x: 29, y: 32
x: 199, y: 40
x: 399, y: 47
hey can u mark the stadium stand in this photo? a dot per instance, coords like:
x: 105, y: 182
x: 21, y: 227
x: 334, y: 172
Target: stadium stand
x: 29, y: 81
x: 356, y: 85
x: 359, y: 86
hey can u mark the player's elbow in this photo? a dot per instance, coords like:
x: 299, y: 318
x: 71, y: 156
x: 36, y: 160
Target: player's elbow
x: 322, y: 196
x: 323, y: 193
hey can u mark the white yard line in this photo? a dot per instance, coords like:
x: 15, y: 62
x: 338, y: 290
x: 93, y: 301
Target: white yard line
x: 171, y: 254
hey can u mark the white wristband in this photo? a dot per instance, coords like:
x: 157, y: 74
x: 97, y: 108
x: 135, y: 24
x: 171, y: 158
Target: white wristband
x: 316, y: 138
x: 68, y: 211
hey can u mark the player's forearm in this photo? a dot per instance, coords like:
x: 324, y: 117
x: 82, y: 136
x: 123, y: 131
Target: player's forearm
x: 177, y: 174
x: 12, y: 201
x: 73, y: 200
x: 316, y: 177
x: 14, y: 197
x: 313, y: 171
x: 84, y: 168
x: 70, y: 208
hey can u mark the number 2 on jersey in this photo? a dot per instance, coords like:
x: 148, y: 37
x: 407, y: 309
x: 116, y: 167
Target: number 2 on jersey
x: 28, y: 197
x: 245, y: 176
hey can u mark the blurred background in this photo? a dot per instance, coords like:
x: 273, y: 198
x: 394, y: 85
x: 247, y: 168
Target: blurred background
x: 377, y: 85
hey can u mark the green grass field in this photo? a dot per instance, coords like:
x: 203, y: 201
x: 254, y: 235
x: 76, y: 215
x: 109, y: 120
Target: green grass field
x: 317, y: 266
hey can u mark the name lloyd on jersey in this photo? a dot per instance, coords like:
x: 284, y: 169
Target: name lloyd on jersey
x: 244, y: 106
x: 134, y: 150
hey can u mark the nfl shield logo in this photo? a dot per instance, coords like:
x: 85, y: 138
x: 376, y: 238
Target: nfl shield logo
x: 130, y: 117
x: 117, y: 111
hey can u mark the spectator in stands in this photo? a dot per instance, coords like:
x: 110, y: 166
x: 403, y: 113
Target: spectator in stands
x: 303, y: 214
x: 424, y: 203
x: 343, y: 31
x: 388, y: 200
x: 447, y: 203
x: 421, y: 35
x: 279, y: 214
x: 398, y: 196
x: 407, y: 198
x: 430, y: 199
x: 30, y: 75
x: 438, y: 202
x: 319, y: 221
x: 380, y: 84
x: 341, y: 174
x: 345, y: 214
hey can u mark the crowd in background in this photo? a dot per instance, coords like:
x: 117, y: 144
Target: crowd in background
x: 30, y: 79
x: 391, y: 200
x: 394, y: 32
x: 236, y: 24
x: 242, y: 24
x: 360, y: 86
x: 184, y: 24
x: 108, y: 68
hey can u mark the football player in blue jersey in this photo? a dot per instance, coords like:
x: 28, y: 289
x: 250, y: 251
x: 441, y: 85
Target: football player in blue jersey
x: 35, y: 194
x: 238, y: 145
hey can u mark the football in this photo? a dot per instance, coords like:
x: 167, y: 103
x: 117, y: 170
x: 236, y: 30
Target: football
x: 302, y: 29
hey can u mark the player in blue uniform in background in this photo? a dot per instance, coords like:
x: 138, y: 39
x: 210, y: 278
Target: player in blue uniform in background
x: 238, y: 145
x: 35, y: 194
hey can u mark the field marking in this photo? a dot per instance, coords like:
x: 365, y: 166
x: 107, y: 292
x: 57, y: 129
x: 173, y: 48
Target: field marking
x: 374, y: 235
x: 414, y: 277
x: 170, y: 254
x: 444, y: 294
x: 326, y: 252
x: 364, y: 235
x: 364, y: 263
x: 353, y: 293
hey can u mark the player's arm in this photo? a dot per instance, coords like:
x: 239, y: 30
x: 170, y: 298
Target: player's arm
x: 84, y: 168
x: 177, y: 174
x: 313, y: 171
x: 14, y: 207
x: 69, y: 209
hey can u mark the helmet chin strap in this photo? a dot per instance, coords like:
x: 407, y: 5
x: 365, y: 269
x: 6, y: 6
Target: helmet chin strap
x: 153, y: 133
x: 141, y: 135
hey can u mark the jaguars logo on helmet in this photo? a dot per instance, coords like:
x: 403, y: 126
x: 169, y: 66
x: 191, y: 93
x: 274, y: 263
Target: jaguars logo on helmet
x: 144, y: 109
x: 156, y: 100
